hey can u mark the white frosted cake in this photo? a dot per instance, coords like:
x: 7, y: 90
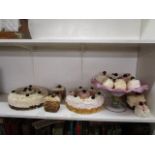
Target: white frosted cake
x: 27, y: 97
x: 84, y: 101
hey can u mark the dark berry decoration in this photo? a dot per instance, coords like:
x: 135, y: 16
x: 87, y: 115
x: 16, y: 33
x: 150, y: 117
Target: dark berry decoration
x: 84, y: 91
x: 104, y: 72
x: 132, y: 77
x: 141, y: 103
x: 92, y: 88
x: 13, y: 91
x: 75, y: 95
x: 59, y: 86
x: 93, y: 97
x: 53, y: 95
x: 30, y: 86
x: 80, y: 87
x: 99, y: 93
x: 114, y: 80
x: 125, y: 75
x: 115, y: 74
x: 39, y: 92
x: 27, y: 95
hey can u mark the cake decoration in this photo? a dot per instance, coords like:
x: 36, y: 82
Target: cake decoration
x: 61, y: 90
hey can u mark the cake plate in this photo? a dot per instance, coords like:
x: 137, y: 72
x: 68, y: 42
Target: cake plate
x: 116, y: 98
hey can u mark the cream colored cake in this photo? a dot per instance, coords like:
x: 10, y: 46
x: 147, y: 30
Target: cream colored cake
x: 102, y: 77
x: 84, y: 101
x: 120, y: 84
x: 108, y: 83
x: 133, y: 84
x: 142, y: 110
x: 134, y: 99
x: 27, y: 97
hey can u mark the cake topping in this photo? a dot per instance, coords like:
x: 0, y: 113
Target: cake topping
x: 104, y: 72
x: 59, y: 86
x: 75, y: 95
x: 13, y: 91
x: 27, y: 95
x: 80, y: 87
x: 125, y: 75
x: 39, y: 92
x: 53, y: 95
x: 115, y: 74
x: 114, y: 80
x: 99, y: 93
x: 84, y: 91
x: 92, y: 88
x: 132, y: 78
x: 30, y: 86
x: 141, y: 103
x: 93, y: 97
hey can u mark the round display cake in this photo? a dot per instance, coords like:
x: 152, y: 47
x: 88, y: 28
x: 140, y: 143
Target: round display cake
x: 27, y: 97
x: 84, y: 101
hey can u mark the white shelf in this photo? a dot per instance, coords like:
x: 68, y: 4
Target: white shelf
x: 38, y: 42
x: 65, y: 114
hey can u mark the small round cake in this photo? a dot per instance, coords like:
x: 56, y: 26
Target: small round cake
x: 133, y: 83
x: 120, y: 84
x: 109, y: 83
x: 102, y: 77
x: 27, y: 97
x: 84, y: 101
x: 142, y: 110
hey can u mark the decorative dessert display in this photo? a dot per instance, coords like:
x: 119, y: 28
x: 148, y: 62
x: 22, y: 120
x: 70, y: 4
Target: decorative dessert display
x: 52, y: 103
x: 27, y: 97
x: 60, y: 90
x: 84, y: 101
x: 118, y: 85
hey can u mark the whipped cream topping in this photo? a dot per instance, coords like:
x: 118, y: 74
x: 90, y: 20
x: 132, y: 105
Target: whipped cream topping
x: 101, y: 78
x: 108, y: 83
x: 87, y: 103
x: 133, y: 84
x: 120, y: 84
x: 133, y: 100
x: 142, y: 110
x: 53, y: 99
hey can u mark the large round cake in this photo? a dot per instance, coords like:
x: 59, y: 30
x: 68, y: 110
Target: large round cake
x: 84, y: 101
x: 27, y: 97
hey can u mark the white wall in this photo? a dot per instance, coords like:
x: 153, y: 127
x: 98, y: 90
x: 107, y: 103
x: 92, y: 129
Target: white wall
x: 70, y: 66
x: 148, y: 29
x: 85, y: 29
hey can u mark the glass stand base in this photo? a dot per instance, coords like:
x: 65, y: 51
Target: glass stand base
x: 116, y: 105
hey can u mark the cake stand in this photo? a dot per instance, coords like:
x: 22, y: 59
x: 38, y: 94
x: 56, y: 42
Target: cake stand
x: 116, y: 98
